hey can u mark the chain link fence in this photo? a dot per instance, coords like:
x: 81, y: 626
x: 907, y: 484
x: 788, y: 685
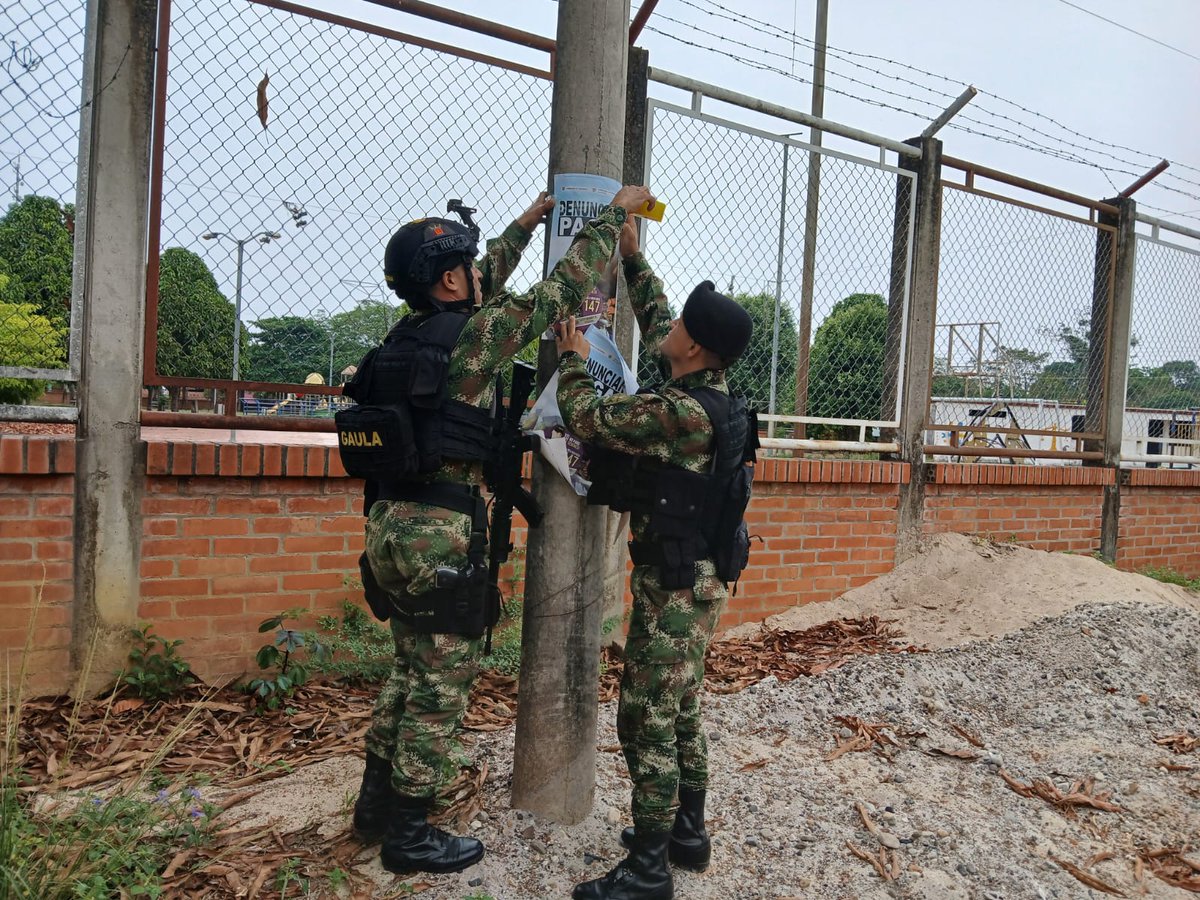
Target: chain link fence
x: 1019, y: 358
x: 736, y: 212
x: 1162, y: 398
x: 40, y: 97
x: 294, y: 148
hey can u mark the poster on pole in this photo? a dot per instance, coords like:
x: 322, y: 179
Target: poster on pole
x: 578, y: 199
x: 566, y: 453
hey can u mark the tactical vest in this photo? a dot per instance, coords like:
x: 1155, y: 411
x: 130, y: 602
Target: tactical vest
x: 692, y: 515
x: 404, y: 424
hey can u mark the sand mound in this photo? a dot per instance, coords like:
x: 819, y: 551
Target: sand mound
x: 960, y: 589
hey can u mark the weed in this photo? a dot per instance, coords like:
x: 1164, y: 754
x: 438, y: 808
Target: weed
x: 283, y: 673
x: 505, y: 657
x: 156, y: 670
x: 1168, y: 575
x: 360, y: 649
x: 338, y: 879
x: 289, y: 875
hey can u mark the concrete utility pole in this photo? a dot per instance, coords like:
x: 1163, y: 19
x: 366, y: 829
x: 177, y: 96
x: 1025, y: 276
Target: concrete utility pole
x: 110, y: 264
x: 555, y: 759
x: 812, y: 208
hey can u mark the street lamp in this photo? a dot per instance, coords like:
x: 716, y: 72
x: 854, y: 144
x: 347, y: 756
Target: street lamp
x: 299, y: 216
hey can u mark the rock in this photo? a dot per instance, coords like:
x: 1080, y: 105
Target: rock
x: 751, y: 842
x: 475, y: 882
x: 537, y: 847
x: 889, y: 840
x: 527, y: 832
x: 613, y: 816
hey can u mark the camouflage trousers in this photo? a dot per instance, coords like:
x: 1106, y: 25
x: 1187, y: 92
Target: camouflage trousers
x: 658, y: 716
x: 417, y: 717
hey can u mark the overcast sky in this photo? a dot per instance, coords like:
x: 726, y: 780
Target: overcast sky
x: 369, y: 133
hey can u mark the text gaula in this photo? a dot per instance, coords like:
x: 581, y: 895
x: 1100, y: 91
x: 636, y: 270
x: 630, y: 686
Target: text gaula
x: 360, y: 439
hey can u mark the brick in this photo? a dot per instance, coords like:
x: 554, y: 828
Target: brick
x: 209, y: 606
x: 37, y: 456
x: 245, y: 546
x: 154, y: 611
x: 284, y: 525
x: 314, y: 462
x: 337, y: 503
x: 314, y: 581
x: 39, y: 528
x: 298, y: 563
x: 182, y: 459
x: 16, y: 550
x: 294, y: 461
x: 212, y: 565
x: 244, y: 584
x: 12, y: 454
x: 244, y: 506
x: 206, y: 526
x: 158, y: 458
x: 227, y: 460
x: 15, y: 507
x: 64, y: 456
x: 206, y: 459
x: 272, y: 459
x: 175, y: 547
x: 317, y: 543
x: 175, y: 587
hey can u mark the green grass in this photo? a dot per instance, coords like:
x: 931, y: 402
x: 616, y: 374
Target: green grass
x: 1168, y: 575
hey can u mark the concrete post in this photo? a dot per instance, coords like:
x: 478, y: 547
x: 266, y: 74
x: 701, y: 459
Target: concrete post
x: 110, y: 253
x: 918, y: 344
x: 1108, y: 354
x: 555, y: 758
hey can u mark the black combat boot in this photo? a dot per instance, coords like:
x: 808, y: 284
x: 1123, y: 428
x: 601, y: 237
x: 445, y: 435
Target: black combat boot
x: 689, y: 848
x: 376, y: 800
x: 413, y: 845
x: 643, y: 875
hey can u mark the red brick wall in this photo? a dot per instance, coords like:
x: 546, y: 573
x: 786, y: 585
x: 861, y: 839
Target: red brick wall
x: 36, y: 529
x: 234, y: 534
x: 826, y: 527
x: 1044, y: 507
x: 1160, y: 520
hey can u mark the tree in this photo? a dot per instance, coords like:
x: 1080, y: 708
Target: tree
x: 36, y: 249
x: 751, y: 375
x: 1173, y: 385
x: 26, y: 339
x: 358, y: 330
x: 195, y: 320
x: 286, y: 349
x: 846, y: 367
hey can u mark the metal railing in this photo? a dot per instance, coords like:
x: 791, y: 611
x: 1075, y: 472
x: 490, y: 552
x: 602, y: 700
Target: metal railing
x: 1021, y: 344
x: 1162, y: 395
x: 737, y: 202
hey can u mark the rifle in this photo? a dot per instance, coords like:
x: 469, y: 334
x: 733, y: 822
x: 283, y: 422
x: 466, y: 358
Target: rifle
x: 503, y: 477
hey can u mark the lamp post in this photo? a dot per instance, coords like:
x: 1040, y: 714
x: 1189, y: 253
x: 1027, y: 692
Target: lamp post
x: 299, y: 216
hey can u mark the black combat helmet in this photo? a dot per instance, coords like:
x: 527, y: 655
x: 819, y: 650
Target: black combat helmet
x: 418, y: 254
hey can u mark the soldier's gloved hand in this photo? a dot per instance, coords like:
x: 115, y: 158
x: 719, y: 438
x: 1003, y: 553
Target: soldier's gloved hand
x: 633, y: 196
x: 628, y: 242
x: 536, y: 214
x: 568, y: 338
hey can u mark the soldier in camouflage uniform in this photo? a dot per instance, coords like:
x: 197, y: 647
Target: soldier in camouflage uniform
x: 412, y: 749
x: 658, y: 718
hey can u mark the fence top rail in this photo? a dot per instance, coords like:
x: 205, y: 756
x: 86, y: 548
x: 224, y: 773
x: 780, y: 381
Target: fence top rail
x: 1025, y: 184
x: 754, y: 104
x: 391, y: 34
x: 469, y: 23
x: 1164, y: 225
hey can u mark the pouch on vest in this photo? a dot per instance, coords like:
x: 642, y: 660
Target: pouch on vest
x: 377, y: 442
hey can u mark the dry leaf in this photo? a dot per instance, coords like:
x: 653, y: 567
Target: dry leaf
x: 262, y: 99
x: 969, y: 755
x: 1090, y: 880
x: 124, y: 706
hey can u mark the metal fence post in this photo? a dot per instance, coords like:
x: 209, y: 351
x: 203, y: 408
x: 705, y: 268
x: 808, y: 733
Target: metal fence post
x: 772, y: 402
x: 1108, y: 354
x: 554, y: 768
x: 918, y: 342
x: 111, y: 238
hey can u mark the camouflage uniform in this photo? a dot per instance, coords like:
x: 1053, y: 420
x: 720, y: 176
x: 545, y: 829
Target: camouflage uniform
x: 658, y: 719
x: 419, y: 711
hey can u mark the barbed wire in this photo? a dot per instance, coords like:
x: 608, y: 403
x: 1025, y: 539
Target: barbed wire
x: 1017, y: 140
x: 845, y: 55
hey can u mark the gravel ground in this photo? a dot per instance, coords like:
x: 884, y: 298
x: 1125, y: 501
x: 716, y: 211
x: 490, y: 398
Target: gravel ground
x: 1070, y: 694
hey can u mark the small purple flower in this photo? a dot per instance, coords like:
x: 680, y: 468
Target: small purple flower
x: 192, y: 793
x: 97, y: 802
x: 161, y: 796
x: 195, y: 814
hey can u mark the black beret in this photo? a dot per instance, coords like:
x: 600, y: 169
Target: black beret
x: 715, y: 322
